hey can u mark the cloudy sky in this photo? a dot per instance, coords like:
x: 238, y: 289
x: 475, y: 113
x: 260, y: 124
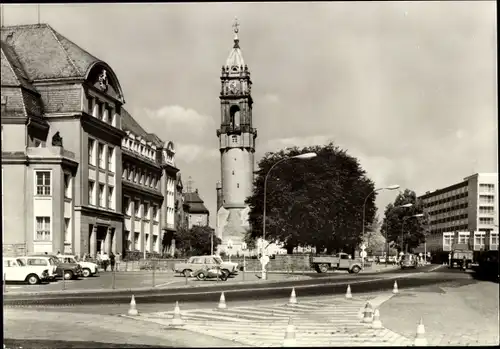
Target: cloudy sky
x: 408, y: 88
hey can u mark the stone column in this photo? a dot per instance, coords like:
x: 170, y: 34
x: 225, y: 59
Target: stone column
x: 93, y: 241
x: 113, y: 240
x: 107, y: 241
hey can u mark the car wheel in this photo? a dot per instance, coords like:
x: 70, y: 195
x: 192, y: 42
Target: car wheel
x: 356, y: 269
x: 227, y: 272
x: 324, y: 267
x: 200, y: 276
x: 32, y: 279
x: 186, y: 273
x: 86, y: 272
x: 68, y: 275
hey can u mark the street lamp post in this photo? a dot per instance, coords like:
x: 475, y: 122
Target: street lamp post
x: 387, y: 230
x: 391, y: 187
x: 301, y: 156
x: 402, y: 230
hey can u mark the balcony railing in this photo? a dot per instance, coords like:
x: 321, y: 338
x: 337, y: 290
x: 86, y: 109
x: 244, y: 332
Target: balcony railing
x: 49, y: 152
x: 236, y: 129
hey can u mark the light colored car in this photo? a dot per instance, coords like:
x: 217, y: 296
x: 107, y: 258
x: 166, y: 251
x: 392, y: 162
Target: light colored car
x: 15, y: 269
x: 198, y: 262
x: 43, y: 261
x: 88, y: 268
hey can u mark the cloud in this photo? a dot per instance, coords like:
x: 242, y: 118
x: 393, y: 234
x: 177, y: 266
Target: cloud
x: 191, y: 131
x: 177, y: 119
x: 271, y: 98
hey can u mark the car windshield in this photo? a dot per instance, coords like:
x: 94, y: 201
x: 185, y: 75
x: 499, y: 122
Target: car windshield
x: 20, y: 262
x: 218, y: 260
x: 53, y: 261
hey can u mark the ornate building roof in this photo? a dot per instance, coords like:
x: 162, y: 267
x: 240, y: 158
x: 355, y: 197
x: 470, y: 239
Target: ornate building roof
x: 194, y: 203
x: 38, y: 44
x: 22, y: 99
x: 130, y: 124
x: 235, y: 61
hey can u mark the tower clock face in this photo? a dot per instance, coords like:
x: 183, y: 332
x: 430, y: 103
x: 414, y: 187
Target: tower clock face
x: 234, y: 86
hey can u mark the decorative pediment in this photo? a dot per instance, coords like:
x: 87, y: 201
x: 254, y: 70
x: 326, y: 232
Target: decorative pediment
x: 104, y: 80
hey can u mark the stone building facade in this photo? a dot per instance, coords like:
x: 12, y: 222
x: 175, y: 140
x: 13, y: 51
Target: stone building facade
x: 74, y: 162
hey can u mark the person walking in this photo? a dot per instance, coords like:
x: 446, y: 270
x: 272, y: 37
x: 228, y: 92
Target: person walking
x: 105, y: 261
x: 112, y: 260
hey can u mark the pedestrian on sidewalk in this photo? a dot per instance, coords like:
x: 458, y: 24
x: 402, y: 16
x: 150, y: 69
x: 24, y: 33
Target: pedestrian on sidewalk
x: 105, y: 261
x: 112, y: 261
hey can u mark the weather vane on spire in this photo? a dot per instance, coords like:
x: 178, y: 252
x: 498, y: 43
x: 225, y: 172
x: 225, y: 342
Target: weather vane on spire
x: 236, y: 25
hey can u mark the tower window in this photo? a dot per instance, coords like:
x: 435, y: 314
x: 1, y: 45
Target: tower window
x: 233, y: 172
x: 234, y: 139
x: 237, y: 185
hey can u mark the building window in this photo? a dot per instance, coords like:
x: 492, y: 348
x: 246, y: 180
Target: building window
x: 479, y: 239
x: 485, y: 220
x: 463, y: 238
x: 234, y: 139
x: 111, y: 158
x: 91, y: 152
x: 43, y: 183
x: 155, y: 213
x: 101, y: 155
x: 67, y: 185
x: 126, y: 206
x: 237, y: 185
x: 136, y: 178
x: 148, y: 180
x: 105, y: 114
x: 110, y: 197
x: 91, y: 193
x: 146, y: 240
x: 128, y: 240
x: 136, y: 241
x: 137, y: 206
x: 101, y: 195
x: 486, y: 199
x: 43, y: 228
x: 493, y: 239
x: 447, y: 240
x: 67, y: 232
x: 131, y: 174
x: 489, y: 188
x: 146, y: 211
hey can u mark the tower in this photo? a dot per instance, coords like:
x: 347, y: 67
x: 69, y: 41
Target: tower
x: 237, y: 146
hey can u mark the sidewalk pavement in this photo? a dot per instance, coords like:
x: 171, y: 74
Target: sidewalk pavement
x: 466, y: 315
x: 33, y: 325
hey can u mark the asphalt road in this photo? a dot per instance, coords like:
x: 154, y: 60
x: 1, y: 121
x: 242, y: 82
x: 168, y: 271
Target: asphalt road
x: 310, y: 287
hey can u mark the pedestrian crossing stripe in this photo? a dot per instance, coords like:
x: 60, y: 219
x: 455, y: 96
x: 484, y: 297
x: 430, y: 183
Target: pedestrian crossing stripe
x: 317, y: 323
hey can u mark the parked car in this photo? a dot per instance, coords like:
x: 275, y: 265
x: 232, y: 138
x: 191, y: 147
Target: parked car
x: 41, y: 261
x: 392, y: 260
x: 88, y: 268
x: 64, y: 269
x: 340, y: 261
x: 381, y: 259
x: 197, y: 262
x: 409, y: 260
x: 15, y: 269
x: 207, y: 272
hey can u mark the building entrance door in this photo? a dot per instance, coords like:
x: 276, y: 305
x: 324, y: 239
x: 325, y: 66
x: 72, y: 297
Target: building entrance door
x: 101, y: 238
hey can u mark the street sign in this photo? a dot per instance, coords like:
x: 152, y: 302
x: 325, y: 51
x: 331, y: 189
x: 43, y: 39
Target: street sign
x: 363, y: 254
x: 363, y: 247
x: 244, y: 246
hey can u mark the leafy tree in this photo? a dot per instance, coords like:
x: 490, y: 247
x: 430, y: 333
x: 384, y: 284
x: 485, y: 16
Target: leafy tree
x: 250, y: 240
x: 316, y: 202
x: 196, y: 241
x: 399, y: 225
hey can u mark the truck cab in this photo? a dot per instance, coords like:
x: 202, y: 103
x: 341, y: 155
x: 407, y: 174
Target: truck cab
x: 458, y: 252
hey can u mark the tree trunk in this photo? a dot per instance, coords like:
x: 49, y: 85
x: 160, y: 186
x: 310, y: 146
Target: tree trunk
x: 289, y: 249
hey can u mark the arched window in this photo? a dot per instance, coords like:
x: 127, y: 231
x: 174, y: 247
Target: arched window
x: 234, y: 114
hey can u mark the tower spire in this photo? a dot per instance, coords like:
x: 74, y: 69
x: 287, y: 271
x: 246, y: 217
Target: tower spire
x: 236, y: 26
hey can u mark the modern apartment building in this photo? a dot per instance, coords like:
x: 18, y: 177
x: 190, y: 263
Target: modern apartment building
x: 464, y: 212
x: 79, y: 174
